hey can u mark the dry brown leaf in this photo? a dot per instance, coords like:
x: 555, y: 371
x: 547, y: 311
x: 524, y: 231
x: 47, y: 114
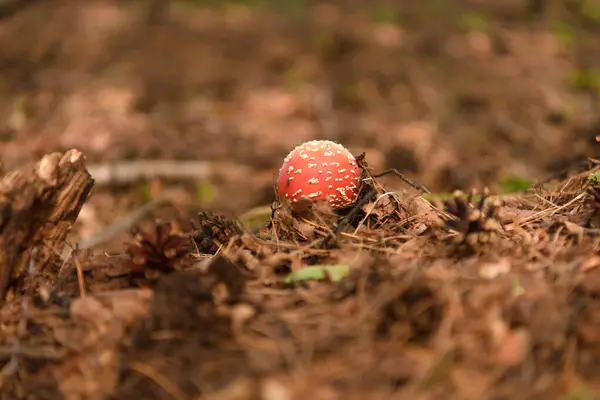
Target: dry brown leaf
x: 513, y: 348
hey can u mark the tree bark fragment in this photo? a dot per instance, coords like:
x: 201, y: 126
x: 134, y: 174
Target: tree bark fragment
x: 38, y: 206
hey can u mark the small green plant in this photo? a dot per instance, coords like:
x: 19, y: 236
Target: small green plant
x: 319, y: 272
x: 205, y: 192
x: 384, y: 15
x: 516, y: 287
x: 590, y: 10
x: 251, y: 5
x: 514, y: 184
x: 441, y: 196
x: 564, y: 32
x: 433, y: 6
x: 474, y: 22
x: 256, y: 218
x: 351, y: 94
x: 289, y: 8
x: 594, y: 178
x: 145, y: 191
x: 323, y: 41
x: 580, y: 392
x: 586, y: 79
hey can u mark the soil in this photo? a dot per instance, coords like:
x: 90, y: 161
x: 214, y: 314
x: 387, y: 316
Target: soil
x: 184, y: 111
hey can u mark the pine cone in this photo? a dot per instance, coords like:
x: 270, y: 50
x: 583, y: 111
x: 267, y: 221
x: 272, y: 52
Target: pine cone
x: 214, y: 230
x: 477, y: 224
x: 159, y: 252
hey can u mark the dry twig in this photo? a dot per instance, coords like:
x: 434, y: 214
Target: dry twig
x: 132, y: 171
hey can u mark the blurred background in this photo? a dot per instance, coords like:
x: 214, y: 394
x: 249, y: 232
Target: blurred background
x: 453, y: 93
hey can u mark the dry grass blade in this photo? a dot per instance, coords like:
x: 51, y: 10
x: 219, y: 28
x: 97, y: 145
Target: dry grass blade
x: 544, y: 213
x: 80, y: 277
x: 164, y: 383
x: 377, y: 200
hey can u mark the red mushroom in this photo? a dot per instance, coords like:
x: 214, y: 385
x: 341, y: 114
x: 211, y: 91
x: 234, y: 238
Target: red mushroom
x: 320, y: 170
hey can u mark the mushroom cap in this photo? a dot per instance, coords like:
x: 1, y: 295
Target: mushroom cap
x: 320, y: 170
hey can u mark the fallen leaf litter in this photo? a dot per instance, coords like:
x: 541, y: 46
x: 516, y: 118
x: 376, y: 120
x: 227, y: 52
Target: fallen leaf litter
x: 397, y: 297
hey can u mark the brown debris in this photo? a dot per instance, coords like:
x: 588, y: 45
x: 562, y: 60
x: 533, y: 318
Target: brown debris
x: 84, y: 338
x: 408, y: 320
x: 184, y: 326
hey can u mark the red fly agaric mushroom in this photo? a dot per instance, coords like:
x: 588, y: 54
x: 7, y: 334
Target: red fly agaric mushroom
x: 320, y: 170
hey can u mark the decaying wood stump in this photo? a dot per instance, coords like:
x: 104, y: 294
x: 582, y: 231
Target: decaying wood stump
x: 38, y: 206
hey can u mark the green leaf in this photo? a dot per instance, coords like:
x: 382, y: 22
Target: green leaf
x: 594, y: 178
x: 437, y: 196
x: 206, y: 192
x: 145, y: 191
x: 319, y: 272
x: 590, y: 10
x: 585, y: 79
x: 384, y: 15
x: 564, y: 32
x: 256, y: 217
x: 515, y: 184
x: 474, y: 22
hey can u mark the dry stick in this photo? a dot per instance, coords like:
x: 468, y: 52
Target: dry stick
x: 355, y: 209
x: 113, y: 229
x: 128, y: 172
x: 404, y: 178
x: 370, y: 211
x: 131, y: 171
x: 33, y: 352
x: 346, y: 220
x: 160, y: 380
x: 543, y: 213
x: 80, y: 278
x: 122, y: 224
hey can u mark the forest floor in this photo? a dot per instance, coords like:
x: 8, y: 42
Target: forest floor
x: 410, y: 296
